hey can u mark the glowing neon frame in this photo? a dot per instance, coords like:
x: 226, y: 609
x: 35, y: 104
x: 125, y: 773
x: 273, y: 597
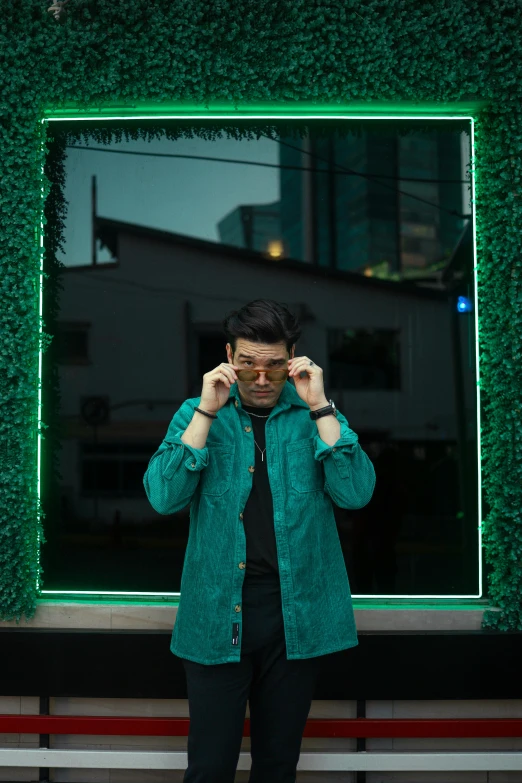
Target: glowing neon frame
x: 325, y: 114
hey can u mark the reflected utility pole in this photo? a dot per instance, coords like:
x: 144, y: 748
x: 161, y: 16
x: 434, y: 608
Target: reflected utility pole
x: 307, y: 207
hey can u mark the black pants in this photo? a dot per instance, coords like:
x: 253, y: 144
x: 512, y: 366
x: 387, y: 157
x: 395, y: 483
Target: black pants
x: 279, y: 691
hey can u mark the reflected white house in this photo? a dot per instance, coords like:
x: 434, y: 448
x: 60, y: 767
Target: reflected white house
x: 140, y: 330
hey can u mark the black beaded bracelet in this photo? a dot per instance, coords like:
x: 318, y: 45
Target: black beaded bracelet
x: 205, y: 413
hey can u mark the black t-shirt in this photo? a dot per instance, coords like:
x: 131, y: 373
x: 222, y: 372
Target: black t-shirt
x: 258, y: 515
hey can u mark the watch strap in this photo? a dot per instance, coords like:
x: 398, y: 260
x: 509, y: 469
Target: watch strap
x: 328, y: 410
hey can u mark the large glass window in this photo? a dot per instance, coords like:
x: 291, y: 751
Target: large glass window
x: 367, y: 235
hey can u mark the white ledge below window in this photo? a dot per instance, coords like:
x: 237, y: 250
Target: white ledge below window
x: 371, y: 615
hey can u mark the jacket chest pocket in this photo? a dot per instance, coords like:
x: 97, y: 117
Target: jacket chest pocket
x: 305, y: 472
x: 217, y: 475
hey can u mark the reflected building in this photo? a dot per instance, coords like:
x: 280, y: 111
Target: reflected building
x: 253, y: 227
x: 368, y: 224
x: 138, y: 333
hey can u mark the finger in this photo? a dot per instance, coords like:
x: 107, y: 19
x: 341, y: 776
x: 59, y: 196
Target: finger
x: 300, y: 360
x: 305, y: 370
x: 303, y: 364
x: 306, y: 362
x: 227, y: 380
x: 295, y: 359
x: 302, y: 371
x: 227, y: 369
x: 220, y: 376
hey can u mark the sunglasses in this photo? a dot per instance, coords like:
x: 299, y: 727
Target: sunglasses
x: 276, y: 376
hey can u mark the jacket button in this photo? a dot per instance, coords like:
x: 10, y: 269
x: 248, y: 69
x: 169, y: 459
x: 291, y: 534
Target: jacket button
x: 334, y: 449
x: 237, y: 608
x: 242, y: 565
x: 241, y: 515
x: 192, y: 464
x: 251, y: 468
x: 236, y: 403
x: 248, y: 429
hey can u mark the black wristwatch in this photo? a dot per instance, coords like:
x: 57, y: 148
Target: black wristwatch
x: 328, y: 410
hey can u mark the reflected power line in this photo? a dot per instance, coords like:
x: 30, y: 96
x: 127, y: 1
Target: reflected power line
x: 339, y: 170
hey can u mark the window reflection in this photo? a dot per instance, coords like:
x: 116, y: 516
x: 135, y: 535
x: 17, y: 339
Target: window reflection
x: 365, y: 236
x: 364, y: 358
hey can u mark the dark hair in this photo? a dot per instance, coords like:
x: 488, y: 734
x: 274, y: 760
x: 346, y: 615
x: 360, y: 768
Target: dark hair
x: 262, y: 321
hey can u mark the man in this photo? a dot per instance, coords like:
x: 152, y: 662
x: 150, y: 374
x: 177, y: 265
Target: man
x: 260, y: 456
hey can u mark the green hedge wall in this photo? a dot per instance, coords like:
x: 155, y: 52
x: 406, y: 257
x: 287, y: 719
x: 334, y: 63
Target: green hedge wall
x: 243, y: 52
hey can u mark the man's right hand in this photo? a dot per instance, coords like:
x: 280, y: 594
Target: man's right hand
x: 216, y: 387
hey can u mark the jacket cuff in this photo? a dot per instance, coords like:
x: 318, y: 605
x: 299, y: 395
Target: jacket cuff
x: 195, y: 459
x: 347, y: 443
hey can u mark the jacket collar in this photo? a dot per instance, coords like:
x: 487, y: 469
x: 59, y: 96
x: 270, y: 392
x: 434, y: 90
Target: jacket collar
x: 287, y: 398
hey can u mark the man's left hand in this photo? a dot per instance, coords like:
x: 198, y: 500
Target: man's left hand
x: 310, y: 387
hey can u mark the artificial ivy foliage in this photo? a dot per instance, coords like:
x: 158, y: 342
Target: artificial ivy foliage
x: 108, y: 52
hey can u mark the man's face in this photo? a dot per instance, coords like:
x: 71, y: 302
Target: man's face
x: 259, y: 356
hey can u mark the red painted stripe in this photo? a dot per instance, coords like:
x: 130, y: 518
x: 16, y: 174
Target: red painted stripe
x: 409, y: 728
x: 178, y: 727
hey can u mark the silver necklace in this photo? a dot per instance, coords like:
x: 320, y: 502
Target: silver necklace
x: 259, y: 417
x: 262, y: 452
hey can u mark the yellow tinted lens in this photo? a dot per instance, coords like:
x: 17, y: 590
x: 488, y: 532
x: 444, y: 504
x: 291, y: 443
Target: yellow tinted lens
x: 277, y: 375
x: 246, y: 375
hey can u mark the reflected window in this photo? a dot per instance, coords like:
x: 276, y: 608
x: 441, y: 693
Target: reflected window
x: 364, y: 358
x: 114, y: 469
x: 72, y: 343
x: 211, y: 352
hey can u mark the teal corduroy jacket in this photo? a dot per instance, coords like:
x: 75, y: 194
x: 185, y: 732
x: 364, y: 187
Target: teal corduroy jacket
x: 305, y: 476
